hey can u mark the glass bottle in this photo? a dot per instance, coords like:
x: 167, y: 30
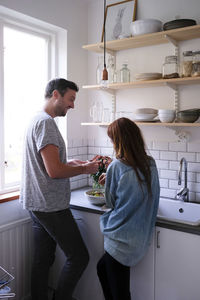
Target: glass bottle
x: 170, y: 67
x: 124, y: 73
x: 187, y: 63
x: 99, y: 70
x: 196, y: 64
x: 111, y: 69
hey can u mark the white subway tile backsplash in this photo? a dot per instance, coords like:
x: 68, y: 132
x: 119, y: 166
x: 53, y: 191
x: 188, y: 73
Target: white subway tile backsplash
x: 193, y: 147
x: 154, y: 154
x: 107, y: 152
x: 194, y: 187
x: 168, y: 155
x: 163, y: 183
x: 197, y: 197
x: 188, y: 156
x: 168, y: 174
x: 174, y: 165
x: 194, y: 167
x: 169, y: 193
x: 72, y: 151
x: 198, y: 177
x: 178, y: 146
x: 82, y: 150
x: 162, y: 164
x: 160, y: 145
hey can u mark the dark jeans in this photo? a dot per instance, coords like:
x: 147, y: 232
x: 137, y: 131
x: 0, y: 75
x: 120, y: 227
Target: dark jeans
x: 50, y: 229
x: 114, y: 278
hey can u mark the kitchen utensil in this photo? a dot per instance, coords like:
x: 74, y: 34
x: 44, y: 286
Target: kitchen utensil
x: 188, y: 116
x: 146, y: 111
x: 166, y: 115
x: 178, y: 24
x: 95, y: 197
x: 145, y: 26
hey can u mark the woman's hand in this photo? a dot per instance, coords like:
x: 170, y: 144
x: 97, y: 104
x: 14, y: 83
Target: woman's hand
x: 102, y: 179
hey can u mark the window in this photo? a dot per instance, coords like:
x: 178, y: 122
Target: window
x: 27, y: 61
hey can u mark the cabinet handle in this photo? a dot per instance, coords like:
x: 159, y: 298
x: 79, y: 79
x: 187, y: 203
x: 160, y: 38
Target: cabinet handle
x: 158, y: 239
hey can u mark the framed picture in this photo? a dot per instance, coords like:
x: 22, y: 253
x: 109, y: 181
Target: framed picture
x: 118, y: 17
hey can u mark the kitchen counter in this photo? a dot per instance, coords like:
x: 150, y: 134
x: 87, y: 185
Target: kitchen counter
x: 80, y: 202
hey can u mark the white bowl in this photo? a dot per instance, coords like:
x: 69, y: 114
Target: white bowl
x: 145, y: 26
x: 166, y: 118
x: 166, y: 111
x: 145, y: 117
x: 146, y: 111
x: 95, y: 199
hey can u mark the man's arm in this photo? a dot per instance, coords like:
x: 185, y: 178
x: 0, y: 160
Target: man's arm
x: 56, y: 169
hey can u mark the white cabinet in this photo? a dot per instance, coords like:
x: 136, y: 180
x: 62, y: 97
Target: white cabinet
x: 88, y: 286
x: 177, y: 265
x: 142, y: 276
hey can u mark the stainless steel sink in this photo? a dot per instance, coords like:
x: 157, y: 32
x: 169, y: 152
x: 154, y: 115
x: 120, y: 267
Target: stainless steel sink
x: 179, y: 211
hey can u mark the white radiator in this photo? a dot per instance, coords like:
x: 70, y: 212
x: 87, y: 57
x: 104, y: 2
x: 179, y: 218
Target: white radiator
x: 15, y: 255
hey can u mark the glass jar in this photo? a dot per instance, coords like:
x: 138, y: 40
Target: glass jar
x: 187, y: 63
x: 99, y: 70
x: 170, y: 67
x: 196, y: 64
x: 111, y: 69
x: 124, y: 73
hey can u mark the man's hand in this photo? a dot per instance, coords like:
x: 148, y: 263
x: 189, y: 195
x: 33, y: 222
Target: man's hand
x: 91, y: 167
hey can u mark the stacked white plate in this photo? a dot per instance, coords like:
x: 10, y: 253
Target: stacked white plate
x: 148, y: 76
x: 145, y: 114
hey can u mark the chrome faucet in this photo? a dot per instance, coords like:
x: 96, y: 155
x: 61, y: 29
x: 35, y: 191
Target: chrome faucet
x: 183, y: 194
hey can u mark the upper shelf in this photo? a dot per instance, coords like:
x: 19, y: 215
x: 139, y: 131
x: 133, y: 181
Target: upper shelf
x: 173, y: 82
x: 163, y: 37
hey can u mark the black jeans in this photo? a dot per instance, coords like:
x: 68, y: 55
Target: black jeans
x: 114, y: 278
x: 50, y: 229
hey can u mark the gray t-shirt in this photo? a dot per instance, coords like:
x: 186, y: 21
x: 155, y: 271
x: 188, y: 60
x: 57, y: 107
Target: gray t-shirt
x: 39, y: 192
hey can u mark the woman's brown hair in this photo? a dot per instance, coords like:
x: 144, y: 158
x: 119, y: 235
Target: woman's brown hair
x: 129, y: 147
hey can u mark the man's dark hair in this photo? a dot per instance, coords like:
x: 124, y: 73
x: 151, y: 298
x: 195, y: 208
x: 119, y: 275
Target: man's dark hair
x: 61, y: 85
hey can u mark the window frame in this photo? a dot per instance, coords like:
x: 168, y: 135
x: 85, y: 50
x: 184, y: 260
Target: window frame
x: 56, y: 39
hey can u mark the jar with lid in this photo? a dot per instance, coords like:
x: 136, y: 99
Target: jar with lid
x: 187, y: 63
x: 196, y: 64
x: 124, y: 73
x: 170, y: 67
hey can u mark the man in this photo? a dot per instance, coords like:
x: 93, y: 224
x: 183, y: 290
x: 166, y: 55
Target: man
x: 45, y: 192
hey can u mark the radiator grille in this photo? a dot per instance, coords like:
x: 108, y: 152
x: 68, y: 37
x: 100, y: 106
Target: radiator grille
x: 15, y: 255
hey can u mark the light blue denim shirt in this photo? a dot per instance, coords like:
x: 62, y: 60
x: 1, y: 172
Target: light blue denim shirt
x: 128, y: 226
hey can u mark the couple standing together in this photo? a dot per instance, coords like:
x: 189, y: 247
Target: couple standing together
x: 131, y: 190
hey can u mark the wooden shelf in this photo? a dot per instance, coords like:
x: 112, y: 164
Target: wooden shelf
x: 180, y: 34
x: 150, y: 124
x: 147, y: 83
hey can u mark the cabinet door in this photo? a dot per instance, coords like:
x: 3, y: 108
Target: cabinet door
x: 89, y: 286
x: 142, y: 276
x: 177, y: 268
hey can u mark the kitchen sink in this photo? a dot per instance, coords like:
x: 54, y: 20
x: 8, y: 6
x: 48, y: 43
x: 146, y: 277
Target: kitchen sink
x: 179, y: 211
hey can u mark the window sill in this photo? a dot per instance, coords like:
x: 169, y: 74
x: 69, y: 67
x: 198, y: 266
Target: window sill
x: 9, y: 197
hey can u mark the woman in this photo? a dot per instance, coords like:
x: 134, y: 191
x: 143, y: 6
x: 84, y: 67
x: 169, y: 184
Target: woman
x: 132, y: 192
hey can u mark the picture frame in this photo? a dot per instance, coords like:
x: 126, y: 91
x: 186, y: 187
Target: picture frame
x: 118, y: 17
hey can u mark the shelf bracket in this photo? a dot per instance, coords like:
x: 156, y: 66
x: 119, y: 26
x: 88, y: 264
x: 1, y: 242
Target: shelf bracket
x: 107, y: 50
x: 171, y: 40
x: 172, y: 86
